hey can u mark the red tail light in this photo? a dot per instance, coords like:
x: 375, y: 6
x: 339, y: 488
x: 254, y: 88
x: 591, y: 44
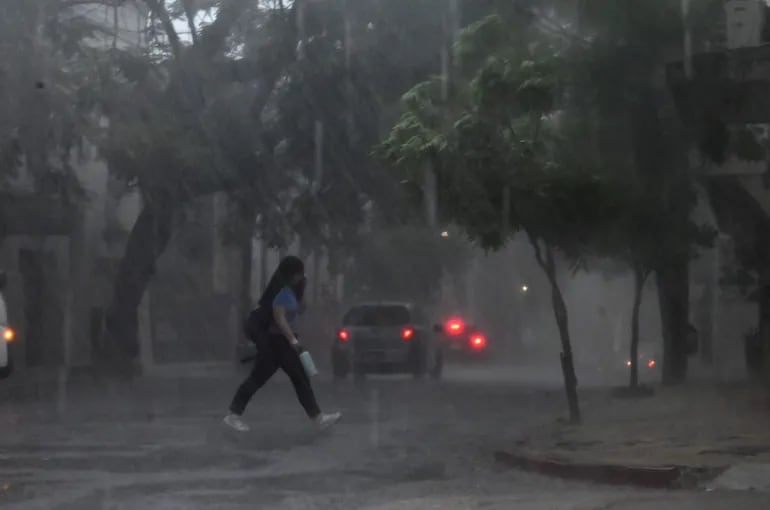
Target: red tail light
x: 478, y: 342
x: 651, y: 363
x: 343, y: 335
x: 455, y: 326
x: 407, y: 333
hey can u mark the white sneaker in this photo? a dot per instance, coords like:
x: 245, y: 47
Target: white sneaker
x: 324, y: 421
x: 234, y: 421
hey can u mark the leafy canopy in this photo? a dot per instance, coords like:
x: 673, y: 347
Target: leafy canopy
x: 497, y: 147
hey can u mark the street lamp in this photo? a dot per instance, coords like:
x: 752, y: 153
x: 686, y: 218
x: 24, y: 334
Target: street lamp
x: 444, y: 234
x: 524, y: 289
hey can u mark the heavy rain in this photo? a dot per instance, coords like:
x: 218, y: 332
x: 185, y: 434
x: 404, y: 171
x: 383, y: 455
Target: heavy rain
x: 384, y: 254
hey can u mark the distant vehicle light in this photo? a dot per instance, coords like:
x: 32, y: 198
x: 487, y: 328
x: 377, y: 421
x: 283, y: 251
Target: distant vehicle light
x: 444, y: 234
x: 628, y: 363
x: 407, y: 333
x: 343, y: 335
x: 455, y: 327
x: 9, y: 335
x: 524, y: 288
x: 478, y: 342
x: 651, y: 363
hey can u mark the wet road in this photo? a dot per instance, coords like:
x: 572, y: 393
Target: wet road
x: 401, y: 444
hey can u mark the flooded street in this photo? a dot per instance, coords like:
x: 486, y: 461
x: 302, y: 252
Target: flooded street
x: 160, y: 444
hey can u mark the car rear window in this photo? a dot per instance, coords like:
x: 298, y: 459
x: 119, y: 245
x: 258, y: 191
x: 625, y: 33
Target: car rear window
x: 385, y: 315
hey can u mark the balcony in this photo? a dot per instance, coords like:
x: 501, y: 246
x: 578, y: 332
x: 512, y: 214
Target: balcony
x: 745, y: 23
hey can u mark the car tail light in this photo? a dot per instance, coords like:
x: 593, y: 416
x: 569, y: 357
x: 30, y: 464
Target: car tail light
x: 478, y: 342
x: 9, y: 335
x: 455, y: 327
x: 407, y: 333
x: 343, y: 335
x: 651, y: 363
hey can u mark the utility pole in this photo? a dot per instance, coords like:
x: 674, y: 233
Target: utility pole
x: 451, y: 28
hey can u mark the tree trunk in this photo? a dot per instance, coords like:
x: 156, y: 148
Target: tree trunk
x: 246, y: 247
x: 545, y: 260
x: 673, y: 296
x: 148, y: 239
x: 640, y: 276
x: 263, y: 269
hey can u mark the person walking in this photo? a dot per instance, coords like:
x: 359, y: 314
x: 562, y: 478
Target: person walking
x: 279, y: 347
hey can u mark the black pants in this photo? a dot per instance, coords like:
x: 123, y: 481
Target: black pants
x: 275, y: 352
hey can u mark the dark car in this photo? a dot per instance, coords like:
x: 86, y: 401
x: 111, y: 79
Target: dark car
x: 386, y: 338
x: 463, y: 341
x: 647, y: 361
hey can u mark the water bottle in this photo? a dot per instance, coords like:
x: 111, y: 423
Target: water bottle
x: 307, y: 363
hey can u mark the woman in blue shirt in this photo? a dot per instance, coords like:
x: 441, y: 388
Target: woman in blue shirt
x: 280, y: 347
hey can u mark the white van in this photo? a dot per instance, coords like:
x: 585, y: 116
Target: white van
x: 7, y: 335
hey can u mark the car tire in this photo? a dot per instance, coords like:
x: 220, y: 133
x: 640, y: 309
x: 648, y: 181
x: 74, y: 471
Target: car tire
x: 419, y: 365
x: 340, y: 365
x: 7, y: 370
x: 438, y: 365
x: 359, y: 374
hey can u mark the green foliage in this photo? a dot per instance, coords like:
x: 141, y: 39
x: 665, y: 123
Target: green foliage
x: 183, y: 126
x: 643, y: 148
x: 643, y: 236
x: 502, y: 141
x: 418, y: 137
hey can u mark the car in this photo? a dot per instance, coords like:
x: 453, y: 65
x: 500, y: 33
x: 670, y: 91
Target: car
x: 386, y: 338
x: 463, y: 341
x: 647, y: 362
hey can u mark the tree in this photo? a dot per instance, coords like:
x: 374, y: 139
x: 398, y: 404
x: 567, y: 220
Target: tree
x: 632, y: 41
x: 356, y: 59
x: 47, y: 76
x: 635, y: 238
x: 185, y: 122
x: 501, y: 163
x: 403, y: 262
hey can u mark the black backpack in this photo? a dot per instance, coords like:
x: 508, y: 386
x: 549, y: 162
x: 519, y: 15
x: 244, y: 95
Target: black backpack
x: 257, y: 324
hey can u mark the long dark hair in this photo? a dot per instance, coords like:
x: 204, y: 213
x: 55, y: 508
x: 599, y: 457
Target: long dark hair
x: 287, y: 268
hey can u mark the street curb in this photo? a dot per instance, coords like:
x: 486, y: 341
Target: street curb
x: 650, y: 477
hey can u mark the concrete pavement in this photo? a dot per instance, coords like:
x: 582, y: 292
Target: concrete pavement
x: 582, y: 499
x: 681, y: 436
x: 401, y: 444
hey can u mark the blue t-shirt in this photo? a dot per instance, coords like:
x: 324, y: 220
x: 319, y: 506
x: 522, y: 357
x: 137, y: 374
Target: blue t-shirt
x: 288, y: 301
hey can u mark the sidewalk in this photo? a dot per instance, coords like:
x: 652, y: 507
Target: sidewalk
x: 678, y: 437
x: 586, y: 500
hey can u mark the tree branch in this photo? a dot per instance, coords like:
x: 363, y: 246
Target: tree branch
x: 66, y: 4
x: 160, y: 11
x: 538, y: 251
x: 189, y: 12
x: 213, y: 37
x: 115, y: 26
